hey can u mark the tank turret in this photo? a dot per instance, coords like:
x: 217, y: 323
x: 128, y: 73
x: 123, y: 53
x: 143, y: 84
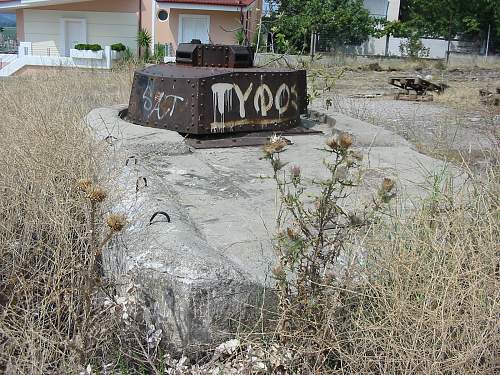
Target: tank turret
x: 215, y: 89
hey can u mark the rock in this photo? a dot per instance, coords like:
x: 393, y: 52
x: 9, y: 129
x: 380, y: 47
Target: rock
x: 210, y: 265
x: 189, y: 288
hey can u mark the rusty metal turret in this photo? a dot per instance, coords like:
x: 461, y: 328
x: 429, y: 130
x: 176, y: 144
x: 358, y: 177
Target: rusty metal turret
x: 215, y: 89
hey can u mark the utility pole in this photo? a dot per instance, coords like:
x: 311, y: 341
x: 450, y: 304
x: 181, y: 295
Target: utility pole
x: 153, y: 24
x: 449, y: 42
x: 488, y: 42
x: 313, y: 47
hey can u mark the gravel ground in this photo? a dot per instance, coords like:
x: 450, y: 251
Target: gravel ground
x: 455, y: 122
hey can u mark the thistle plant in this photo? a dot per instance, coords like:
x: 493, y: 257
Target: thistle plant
x: 95, y: 195
x: 313, y: 228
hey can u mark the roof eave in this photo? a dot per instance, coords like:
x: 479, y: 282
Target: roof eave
x: 24, y: 4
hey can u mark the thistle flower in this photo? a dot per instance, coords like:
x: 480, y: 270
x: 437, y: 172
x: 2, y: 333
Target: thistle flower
x: 387, y: 185
x: 278, y: 272
x: 356, y: 155
x: 345, y: 140
x: 116, y: 222
x: 295, y: 171
x: 276, y: 144
x: 292, y: 233
x: 96, y: 194
x: 332, y: 143
x: 84, y: 184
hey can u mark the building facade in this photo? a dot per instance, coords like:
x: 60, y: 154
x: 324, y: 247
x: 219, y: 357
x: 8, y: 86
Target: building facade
x: 56, y: 26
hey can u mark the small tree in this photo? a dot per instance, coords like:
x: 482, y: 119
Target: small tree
x: 413, y: 47
x: 344, y: 22
x: 144, y: 42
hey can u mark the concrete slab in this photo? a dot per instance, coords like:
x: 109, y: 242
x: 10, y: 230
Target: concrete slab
x: 217, y: 251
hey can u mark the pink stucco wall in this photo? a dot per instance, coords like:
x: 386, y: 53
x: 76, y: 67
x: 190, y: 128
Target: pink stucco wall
x: 220, y: 22
x: 20, y: 25
x: 165, y: 32
x: 168, y: 32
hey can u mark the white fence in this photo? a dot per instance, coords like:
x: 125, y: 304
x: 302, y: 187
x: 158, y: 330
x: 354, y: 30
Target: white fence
x: 437, y: 48
x: 27, y: 56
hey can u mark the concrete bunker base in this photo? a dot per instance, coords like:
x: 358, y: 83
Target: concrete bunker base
x: 212, y: 262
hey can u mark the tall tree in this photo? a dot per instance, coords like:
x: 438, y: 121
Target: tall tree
x: 344, y: 22
x: 442, y: 18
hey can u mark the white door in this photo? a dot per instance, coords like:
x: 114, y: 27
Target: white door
x: 75, y: 34
x: 194, y: 27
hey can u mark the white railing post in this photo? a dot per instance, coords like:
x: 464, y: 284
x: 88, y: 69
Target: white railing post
x: 25, y: 49
x: 108, y: 57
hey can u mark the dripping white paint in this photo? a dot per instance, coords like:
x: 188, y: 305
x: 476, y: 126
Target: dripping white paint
x: 263, y: 101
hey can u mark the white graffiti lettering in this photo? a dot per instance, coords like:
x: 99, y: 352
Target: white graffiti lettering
x: 222, y: 96
x: 147, y: 95
x: 164, y: 99
x: 260, y: 103
x: 263, y: 101
x: 281, y: 106
x: 243, y: 98
x: 160, y: 103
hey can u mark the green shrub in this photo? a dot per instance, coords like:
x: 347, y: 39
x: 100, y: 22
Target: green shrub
x: 88, y: 47
x: 118, y: 47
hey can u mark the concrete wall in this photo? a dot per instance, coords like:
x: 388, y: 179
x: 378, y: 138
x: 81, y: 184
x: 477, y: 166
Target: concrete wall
x: 6, y: 59
x: 26, y: 59
x: 376, y: 46
x: 43, y: 28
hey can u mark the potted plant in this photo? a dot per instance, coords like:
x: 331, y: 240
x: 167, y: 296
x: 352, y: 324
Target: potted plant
x: 117, y: 50
x: 87, y: 51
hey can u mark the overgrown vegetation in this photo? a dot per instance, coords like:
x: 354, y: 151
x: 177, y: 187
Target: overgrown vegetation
x: 342, y: 22
x: 375, y: 291
x: 370, y: 290
x: 361, y: 296
x: 52, y: 224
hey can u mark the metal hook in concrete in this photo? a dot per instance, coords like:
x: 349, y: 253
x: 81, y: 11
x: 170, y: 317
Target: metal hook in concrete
x: 143, y: 179
x: 110, y: 139
x: 159, y: 213
x: 131, y: 158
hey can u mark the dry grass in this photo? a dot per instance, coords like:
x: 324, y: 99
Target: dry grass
x: 422, y: 300
x: 421, y: 297
x: 465, y: 96
x: 430, y: 302
x: 47, y: 226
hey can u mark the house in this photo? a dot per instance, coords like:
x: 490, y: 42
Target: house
x: 385, y: 9
x: 54, y: 27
